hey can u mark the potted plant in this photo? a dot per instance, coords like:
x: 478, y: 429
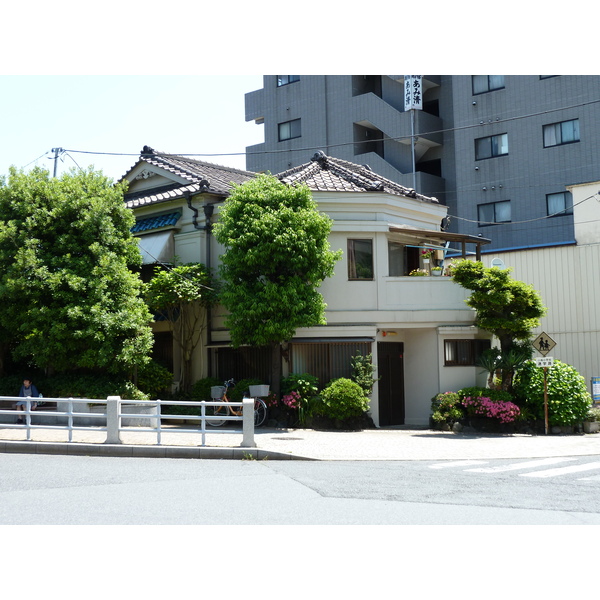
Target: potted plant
x: 419, y: 273
x: 436, y: 271
x: 426, y: 254
x: 592, y: 420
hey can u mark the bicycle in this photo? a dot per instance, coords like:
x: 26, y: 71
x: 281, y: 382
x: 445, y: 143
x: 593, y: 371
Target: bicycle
x: 260, y: 408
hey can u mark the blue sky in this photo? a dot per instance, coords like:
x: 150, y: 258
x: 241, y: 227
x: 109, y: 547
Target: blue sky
x: 105, y: 120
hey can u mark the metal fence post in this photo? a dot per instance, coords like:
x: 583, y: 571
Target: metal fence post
x: 113, y: 420
x: 248, y: 423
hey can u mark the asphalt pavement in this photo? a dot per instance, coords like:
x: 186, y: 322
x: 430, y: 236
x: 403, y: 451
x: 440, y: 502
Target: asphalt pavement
x: 398, y: 443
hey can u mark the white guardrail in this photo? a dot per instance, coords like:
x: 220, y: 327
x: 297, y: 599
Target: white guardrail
x: 116, y: 410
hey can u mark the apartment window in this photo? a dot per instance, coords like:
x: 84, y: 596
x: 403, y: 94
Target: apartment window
x: 360, y: 259
x: 557, y: 134
x: 494, y: 212
x: 487, y: 83
x: 560, y: 203
x: 464, y: 353
x: 491, y: 146
x: 285, y: 79
x: 289, y: 130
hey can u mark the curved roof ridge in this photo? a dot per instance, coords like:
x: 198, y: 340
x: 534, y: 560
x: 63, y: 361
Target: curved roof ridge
x: 327, y: 173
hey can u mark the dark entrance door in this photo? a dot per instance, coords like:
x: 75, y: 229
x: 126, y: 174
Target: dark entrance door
x: 390, y: 365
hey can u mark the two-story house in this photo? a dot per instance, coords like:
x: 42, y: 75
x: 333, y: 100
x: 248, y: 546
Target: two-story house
x: 418, y: 329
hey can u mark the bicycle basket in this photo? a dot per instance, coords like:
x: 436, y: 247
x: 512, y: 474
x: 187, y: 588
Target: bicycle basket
x: 217, y: 391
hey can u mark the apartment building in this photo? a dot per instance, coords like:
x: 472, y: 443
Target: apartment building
x: 499, y: 150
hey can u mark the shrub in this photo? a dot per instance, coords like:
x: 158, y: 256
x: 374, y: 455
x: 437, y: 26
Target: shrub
x: 341, y: 399
x: 593, y: 414
x: 362, y: 372
x: 305, y: 384
x: 96, y: 386
x: 154, y: 379
x: 568, y: 398
x: 201, y: 389
x: 503, y: 412
x: 241, y: 388
x: 480, y: 392
x: 446, y: 408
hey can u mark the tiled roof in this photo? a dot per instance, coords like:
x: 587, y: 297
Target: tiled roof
x: 328, y: 174
x: 156, y: 222
x: 202, y: 177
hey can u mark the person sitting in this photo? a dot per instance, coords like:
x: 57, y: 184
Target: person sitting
x: 28, y: 390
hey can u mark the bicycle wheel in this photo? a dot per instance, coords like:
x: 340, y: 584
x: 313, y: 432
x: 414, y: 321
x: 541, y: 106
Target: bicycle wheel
x: 260, y: 412
x: 216, y: 411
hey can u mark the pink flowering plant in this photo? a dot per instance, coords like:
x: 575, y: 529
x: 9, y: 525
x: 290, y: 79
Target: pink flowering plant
x: 427, y: 253
x: 503, y: 412
x: 292, y: 400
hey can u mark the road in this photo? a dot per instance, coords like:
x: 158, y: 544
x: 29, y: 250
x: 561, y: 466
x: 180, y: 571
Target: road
x: 80, y: 490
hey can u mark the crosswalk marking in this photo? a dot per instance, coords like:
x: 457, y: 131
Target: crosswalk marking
x: 522, y: 465
x: 593, y: 478
x: 563, y: 470
x: 458, y: 463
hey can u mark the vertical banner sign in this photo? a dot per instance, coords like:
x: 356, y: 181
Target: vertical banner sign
x: 596, y: 390
x: 413, y: 92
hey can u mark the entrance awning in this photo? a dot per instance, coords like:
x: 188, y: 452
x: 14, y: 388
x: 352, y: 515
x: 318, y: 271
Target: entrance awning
x: 443, y: 236
x: 157, y: 248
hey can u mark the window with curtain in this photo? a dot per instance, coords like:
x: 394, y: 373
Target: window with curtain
x: 289, y: 130
x: 285, y: 79
x: 464, y: 353
x: 491, y: 146
x: 565, y: 132
x: 494, y: 212
x: 396, y: 260
x: 326, y: 360
x: 560, y: 203
x: 487, y: 83
x: 360, y: 259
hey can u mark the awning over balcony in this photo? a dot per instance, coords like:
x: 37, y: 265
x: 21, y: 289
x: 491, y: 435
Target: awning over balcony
x: 157, y: 248
x: 457, y: 239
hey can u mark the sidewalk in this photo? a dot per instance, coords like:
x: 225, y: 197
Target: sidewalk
x: 307, y: 444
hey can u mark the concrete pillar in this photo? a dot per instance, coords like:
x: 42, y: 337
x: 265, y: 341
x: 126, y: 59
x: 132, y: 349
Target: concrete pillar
x: 248, y: 423
x: 113, y: 420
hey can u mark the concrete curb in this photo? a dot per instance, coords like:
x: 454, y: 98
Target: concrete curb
x: 142, y: 451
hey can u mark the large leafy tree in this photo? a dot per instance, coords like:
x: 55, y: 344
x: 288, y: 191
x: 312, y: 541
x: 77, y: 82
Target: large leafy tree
x: 505, y: 307
x: 183, y: 294
x: 69, y: 299
x: 276, y: 256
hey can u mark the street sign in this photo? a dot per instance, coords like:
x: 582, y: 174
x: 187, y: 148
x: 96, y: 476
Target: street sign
x: 547, y: 361
x: 543, y: 343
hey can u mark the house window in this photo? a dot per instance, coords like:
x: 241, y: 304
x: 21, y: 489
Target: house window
x: 402, y: 259
x: 285, y: 79
x: 396, y: 255
x: 326, y: 360
x: 360, y: 259
x: 289, y: 130
x: 560, y: 203
x: 487, y: 83
x: 494, y: 212
x: 464, y: 353
x: 491, y: 146
x: 557, y: 134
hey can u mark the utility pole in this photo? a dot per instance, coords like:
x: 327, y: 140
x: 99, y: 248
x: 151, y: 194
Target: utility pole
x: 56, y: 153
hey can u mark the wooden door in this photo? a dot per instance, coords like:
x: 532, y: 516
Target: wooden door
x: 390, y: 366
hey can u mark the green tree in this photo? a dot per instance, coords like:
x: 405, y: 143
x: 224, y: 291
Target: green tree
x: 69, y: 298
x: 183, y: 294
x: 276, y: 256
x: 507, y: 308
